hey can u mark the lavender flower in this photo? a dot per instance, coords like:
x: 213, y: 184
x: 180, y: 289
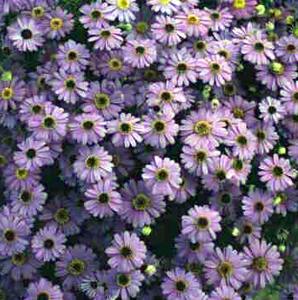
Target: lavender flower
x: 164, y: 6
x: 93, y: 15
x: 123, y: 10
x: 222, y: 292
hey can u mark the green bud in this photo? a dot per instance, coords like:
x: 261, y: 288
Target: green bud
x: 270, y: 26
x: 289, y: 20
x: 235, y: 231
x: 206, y: 94
x: 125, y: 26
x: 260, y: 9
x: 146, y: 230
x: 252, y: 89
x: 282, y: 248
x: 150, y: 270
x: 207, y: 88
x: 277, y: 200
x: 6, y: 76
x: 240, y: 67
x: 282, y: 150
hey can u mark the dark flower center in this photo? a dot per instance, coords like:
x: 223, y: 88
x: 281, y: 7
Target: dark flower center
x: 159, y: 126
x: 242, y: 140
x: 26, y: 34
x: 272, y: 110
x: 61, y: 216
x: 259, y: 206
x: 201, y: 156
x: 43, y: 296
x: 215, y: 67
x: 166, y: 96
x: 277, y: 171
x: 291, y: 48
x: 194, y: 246
x: 202, y: 222
x: 140, y: 50
x: 142, y: 27
x: 92, y: 162
x: 101, y: 101
x: 72, y: 55
x: 141, y: 202
x: 31, y: 153
x: 103, y: 198
x: 94, y: 285
x: 259, y: 47
x: 76, y: 267
x: 18, y: 259
x: 95, y: 14
x: 169, y: 28
x: 295, y: 96
x: 70, y: 84
x: 238, y: 113
x: 9, y: 235
x: 261, y: 135
x: 156, y: 108
x: 49, y: 122
x: 36, y: 109
x: 37, y: 12
x: 295, y: 118
x: 115, y: 64
x: 162, y: 175
x: 215, y: 16
x: 229, y: 89
x: 247, y: 229
x: 203, y: 127
x: 225, y: 269
x: 123, y: 280
x: 126, y: 252
x: 48, y: 244
x: 181, y: 286
x: 200, y: 45
x: 181, y: 68
x: 6, y: 50
x: 25, y: 197
x: 259, y: 263
x: 223, y: 53
x: 105, y: 34
x: 125, y: 127
x: 21, y: 173
x: 88, y: 125
x: 226, y: 198
x: 221, y: 175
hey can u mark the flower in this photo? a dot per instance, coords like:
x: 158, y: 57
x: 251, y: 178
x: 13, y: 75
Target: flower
x: 271, y: 110
x: 43, y: 289
x: 226, y: 267
x: 164, y: 6
x: 140, y: 53
x: 219, y: 19
x: 214, y: 70
x: 139, y: 206
x: 287, y: 49
x: 93, y: 164
x: 276, y: 173
x: 180, y: 285
x: 123, y: 10
x: 201, y: 224
x: 127, y: 252
x: 126, y: 130
x: 162, y: 176
x: 246, y: 230
x: 93, y: 15
x: 289, y: 96
x: 264, y: 262
x: 32, y: 106
x: 224, y: 292
x: 242, y: 9
x: 25, y: 34
x: 88, y: 128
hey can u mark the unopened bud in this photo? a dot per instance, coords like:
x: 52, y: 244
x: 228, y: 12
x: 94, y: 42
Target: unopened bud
x: 146, y: 230
x: 260, y: 9
x: 150, y: 270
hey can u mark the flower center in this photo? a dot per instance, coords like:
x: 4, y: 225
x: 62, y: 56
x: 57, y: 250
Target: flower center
x: 242, y: 140
x: 261, y: 135
x: 95, y: 14
x: 25, y: 197
x: 259, y: 47
x: 7, y: 93
x: 277, y: 68
x: 169, y: 28
x: 49, y: 122
x: 225, y: 269
x: 215, y: 16
x: 259, y: 263
x: 141, y: 202
x: 92, y: 162
x: 200, y: 156
x: 181, y: 68
x: 105, y: 34
x: 259, y: 206
x: 291, y: 49
x: 123, y: 4
x: 18, y: 259
x: 70, y: 84
x: 72, y: 55
x: 200, y: 45
x: 9, y: 235
x: 238, y: 113
x: 164, y: 2
x: 295, y: 96
x: 194, y: 246
x: 103, y: 198
x: 272, y: 110
x: 56, y: 23
x: 126, y: 252
x: 88, y: 125
x: 165, y: 96
x: 192, y: 19
x: 294, y: 118
x: 159, y: 126
x: 277, y: 171
x: 101, y: 101
x: 181, y: 286
x: 142, y: 27
x: 202, y: 222
x: 237, y: 164
x: 43, y: 296
x: 115, y: 64
x: 48, y: 244
x: 26, y: 34
x: 221, y: 175
x: 239, y: 4
x: 61, y: 216
x: 225, y: 54
x: 21, y: 173
x: 124, y: 280
x: 125, y: 127
x: 37, y: 12
x: 229, y: 89
x: 202, y: 127
x: 94, y: 285
x: 31, y: 153
x: 162, y: 175
x: 226, y: 198
x: 140, y: 50
x: 76, y: 267
x: 36, y: 109
x: 247, y: 229
x: 215, y: 67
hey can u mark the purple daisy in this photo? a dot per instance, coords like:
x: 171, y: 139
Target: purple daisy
x: 162, y: 176
x: 224, y: 292
x: 57, y: 23
x: 105, y: 38
x: 32, y: 106
x: 43, y: 289
x: 264, y: 262
x: 33, y: 155
x: 140, y: 53
x: 186, y: 189
x: 159, y: 130
x: 52, y: 125
x: 276, y: 173
x: 93, y: 15
x: 127, y: 252
x: 201, y: 224
x: 28, y: 202
x: 202, y: 128
x: 11, y: 92
x: 69, y: 86
x: 123, y: 10
x: 289, y: 96
x: 226, y: 267
x: 140, y: 207
x: 14, y: 232
x: 286, y: 201
x: 246, y: 231
x: 73, y: 56
x: 219, y: 19
x: 287, y: 49
x: 180, y: 285
x: 126, y: 130
x: 271, y: 110
x: 164, y: 6
x: 88, y: 128
x: 214, y: 70
x: 93, y: 164
x: 242, y: 9
x: 102, y: 199
x: 257, y: 50
x: 25, y: 34
x: 75, y: 263
x: 48, y: 243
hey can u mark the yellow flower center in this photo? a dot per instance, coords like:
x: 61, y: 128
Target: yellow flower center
x: 277, y: 68
x: 37, y: 12
x: 115, y: 64
x: 192, y: 19
x: 164, y: 2
x: 21, y: 173
x: 239, y: 4
x: 7, y: 93
x: 123, y: 4
x: 56, y: 23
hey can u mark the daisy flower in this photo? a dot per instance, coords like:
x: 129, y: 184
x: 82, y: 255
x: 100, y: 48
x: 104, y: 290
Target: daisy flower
x: 123, y: 10
x: 164, y: 6
x: 93, y: 164
x: 219, y: 19
x: 242, y: 9
x: 276, y: 173
x: 240, y: 170
x: 43, y: 289
x: 88, y: 128
x: 93, y: 15
x: 201, y: 224
x: 25, y: 34
x: 48, y: 243
x: 286, y: 201
x: 264, y: 262
x: 140, y: 53
x: 126, y: 130
x: 180, y: 285
x: 224, y: 292
x: 271, y: 110
x: 162, y: 176
x: 246, y: 231
x: 105, y: 38
x: 73, y: 56
x: 32, y: 106
x: 287, y: 49
x: 57, y: 23
x: 214, y: 70
x: 289, y: 96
